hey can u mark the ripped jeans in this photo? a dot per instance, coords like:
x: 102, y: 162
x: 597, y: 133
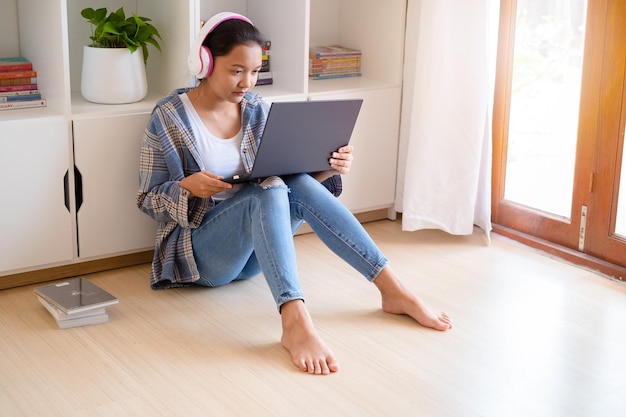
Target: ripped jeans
x: 252, y: 232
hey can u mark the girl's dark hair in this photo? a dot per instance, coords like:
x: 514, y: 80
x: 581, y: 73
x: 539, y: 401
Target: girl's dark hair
x: 231, y: 33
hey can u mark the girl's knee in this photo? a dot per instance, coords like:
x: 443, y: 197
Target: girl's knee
x: 272, y: 182
x: 271, y: 191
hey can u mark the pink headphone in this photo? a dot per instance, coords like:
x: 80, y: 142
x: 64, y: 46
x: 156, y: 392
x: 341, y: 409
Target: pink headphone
x: 200, y: 60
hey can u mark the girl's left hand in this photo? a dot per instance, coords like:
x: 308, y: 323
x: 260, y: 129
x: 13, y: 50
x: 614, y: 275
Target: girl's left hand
x: 341, y: 160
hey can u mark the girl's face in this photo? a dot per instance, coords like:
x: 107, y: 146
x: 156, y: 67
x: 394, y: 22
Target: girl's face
x: 236, y: 73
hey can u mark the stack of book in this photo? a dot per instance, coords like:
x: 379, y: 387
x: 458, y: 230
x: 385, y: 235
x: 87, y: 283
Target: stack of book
x: 77, y: 302
x: 265, y: 75
x: 334, y: 61
x: 18, y: 84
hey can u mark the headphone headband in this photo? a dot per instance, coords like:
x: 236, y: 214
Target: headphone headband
x: 200, y: 59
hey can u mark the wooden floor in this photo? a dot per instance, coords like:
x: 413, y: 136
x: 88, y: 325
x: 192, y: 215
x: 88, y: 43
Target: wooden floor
x: 533, y: 337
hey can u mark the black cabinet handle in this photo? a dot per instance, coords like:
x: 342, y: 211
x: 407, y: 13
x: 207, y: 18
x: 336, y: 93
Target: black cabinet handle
x: 66, y: 191
x: 78, y: 188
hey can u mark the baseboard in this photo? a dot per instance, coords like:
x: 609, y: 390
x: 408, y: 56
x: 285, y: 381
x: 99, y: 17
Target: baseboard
x: 72, y: 270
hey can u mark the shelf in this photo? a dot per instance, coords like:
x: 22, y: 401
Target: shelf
x: 276, y: 93
x: 29, y: 114
x: 344, y: 85
x: 83, y: 109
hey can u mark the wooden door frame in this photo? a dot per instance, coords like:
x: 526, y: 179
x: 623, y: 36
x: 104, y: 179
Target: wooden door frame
x: 611, y: 124
x: 588, y: 128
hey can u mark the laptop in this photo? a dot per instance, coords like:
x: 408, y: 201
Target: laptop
x: 301, y: 136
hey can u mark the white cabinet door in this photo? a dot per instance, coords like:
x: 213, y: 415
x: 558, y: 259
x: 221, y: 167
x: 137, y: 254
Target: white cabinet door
x: 106, y: 153
x: 370, y: 185
x: 35, y: 222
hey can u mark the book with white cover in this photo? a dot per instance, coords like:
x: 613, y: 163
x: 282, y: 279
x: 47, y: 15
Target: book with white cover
x: 76, y: 296
x: 64, y: 321
x: 83, y: 321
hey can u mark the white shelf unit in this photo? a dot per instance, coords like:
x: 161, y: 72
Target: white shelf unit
x: 100, y: 142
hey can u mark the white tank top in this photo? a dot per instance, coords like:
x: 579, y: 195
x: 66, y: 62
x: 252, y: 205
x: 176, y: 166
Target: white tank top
x: 220, y: 156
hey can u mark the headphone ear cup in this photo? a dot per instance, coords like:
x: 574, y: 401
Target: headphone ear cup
x: 200, y: 59
x: 206, y: 62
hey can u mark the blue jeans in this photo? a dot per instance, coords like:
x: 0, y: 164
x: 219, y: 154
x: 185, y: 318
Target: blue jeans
x: 252, y: 232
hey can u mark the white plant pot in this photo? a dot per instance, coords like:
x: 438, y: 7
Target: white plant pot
x: 113, y: 75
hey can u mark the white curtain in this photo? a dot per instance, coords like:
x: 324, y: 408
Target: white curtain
x: 444, y: 171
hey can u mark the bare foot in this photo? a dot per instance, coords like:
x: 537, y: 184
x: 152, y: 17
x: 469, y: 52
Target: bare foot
x: 308, y: 352
x: 398, y: 300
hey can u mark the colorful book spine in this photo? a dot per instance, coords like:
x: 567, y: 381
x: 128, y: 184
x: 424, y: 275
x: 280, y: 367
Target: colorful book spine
x: 15, y: 64
x: 323, y: 61
x: 17, y: 74
x: 334, y: 51
x: 265, y: 78
x: 265, y: 57
x: 330, y: 67
x: 11, y: 105
x: 27, y: 92
x: 328, y: 76
x: 21, y: 97
x: 4, y: 82
x: 13, y: 88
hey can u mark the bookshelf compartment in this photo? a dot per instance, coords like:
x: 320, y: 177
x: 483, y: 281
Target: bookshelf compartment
x: 165, y: 70
x: 374, y: 27
x: 283, y: 23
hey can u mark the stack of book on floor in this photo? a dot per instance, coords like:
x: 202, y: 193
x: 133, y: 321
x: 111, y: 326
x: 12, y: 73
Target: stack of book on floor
x: 77, y: 302
x: 334, y: 61
x: 18, y: 84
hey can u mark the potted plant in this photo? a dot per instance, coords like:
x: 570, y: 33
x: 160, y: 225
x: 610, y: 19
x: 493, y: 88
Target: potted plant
x: 114, y: 63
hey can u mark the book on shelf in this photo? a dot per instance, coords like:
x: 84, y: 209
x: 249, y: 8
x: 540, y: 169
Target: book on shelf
x: 320, y: 66
x: 4, y: 82
x: 17, y: 74
x: 264, y: 78
x: 24, y: 92
x: 11, y: 64
x: 13, y: 88
x: 355, y: 60
x: 19, y: 97
x: 334, y: 51
x: 330, y: 76
x: 76, y: 296
x: 66, y: 321
x: 23, y: 104
x: 329, y: 69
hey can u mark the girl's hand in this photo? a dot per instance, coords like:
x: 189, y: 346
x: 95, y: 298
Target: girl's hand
x: 204, y: 184
x: 341, y: 161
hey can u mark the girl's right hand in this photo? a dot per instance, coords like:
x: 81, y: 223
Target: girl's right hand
x: 204, y: 184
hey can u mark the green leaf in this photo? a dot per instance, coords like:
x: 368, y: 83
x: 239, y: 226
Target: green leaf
x: 116, y: 31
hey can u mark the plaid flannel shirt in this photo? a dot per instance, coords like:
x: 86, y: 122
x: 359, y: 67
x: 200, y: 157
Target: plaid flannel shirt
x: 169, y: 153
